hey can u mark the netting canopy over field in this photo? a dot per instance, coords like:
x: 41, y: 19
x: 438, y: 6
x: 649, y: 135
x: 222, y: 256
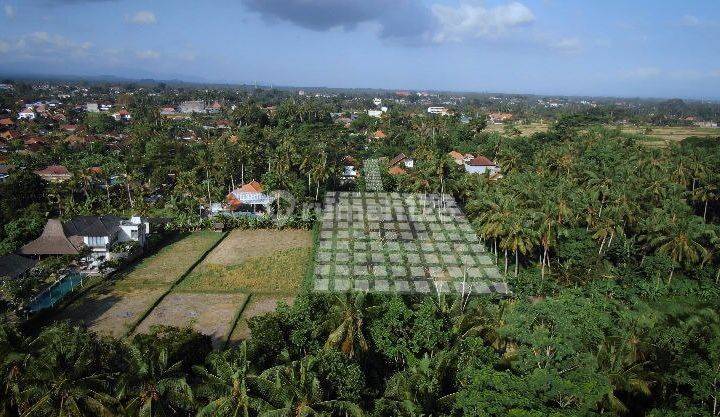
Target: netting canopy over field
x: 406, y: 243
x: 373, y: 178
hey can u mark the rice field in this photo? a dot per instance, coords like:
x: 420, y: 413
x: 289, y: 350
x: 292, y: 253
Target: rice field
x: 404, y: 243
x: 115, y: 307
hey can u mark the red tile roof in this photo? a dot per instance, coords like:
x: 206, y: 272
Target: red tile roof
x: 481, y: 161
x: 396, y: 170
x: 53, y: 170
x: 251, y: 187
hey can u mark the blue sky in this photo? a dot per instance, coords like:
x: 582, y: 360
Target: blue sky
x: 612, y: 47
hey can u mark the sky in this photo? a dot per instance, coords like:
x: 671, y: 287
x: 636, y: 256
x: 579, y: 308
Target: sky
x: 640, y: 48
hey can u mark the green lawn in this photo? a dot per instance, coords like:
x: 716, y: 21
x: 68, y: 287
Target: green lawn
x: 282, y: 272
x: 166, y: 266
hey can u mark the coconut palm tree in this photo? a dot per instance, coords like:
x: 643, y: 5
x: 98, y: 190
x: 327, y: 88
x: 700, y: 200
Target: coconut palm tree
x: 421, y: 389
x: 299, y: 392
x: 153, y: 387
x: 346, y: 319
x: 65, y: 378
x: 228, y: 385
x: 678, y: 236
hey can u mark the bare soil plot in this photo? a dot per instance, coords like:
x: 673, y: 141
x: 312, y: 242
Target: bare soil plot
x: 111, y: 312
x: 258, y: 305
x: 210, y: 314
x: 254, y: 261
x: 113, y: 308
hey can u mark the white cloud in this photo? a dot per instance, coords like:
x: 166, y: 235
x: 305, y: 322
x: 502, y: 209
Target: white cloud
x: 642, y: 72
x: 187, y: 56
x: 4, y: 47
x: 9, y: 10
x: 468, y: 21
x: 690, y: 21
x: 142, y: 17
x: 147, y: 54
x: 567, y: 45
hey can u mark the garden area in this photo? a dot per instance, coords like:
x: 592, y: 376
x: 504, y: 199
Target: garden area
x: 115, y: 307
x: 245, y: 275
x: 404, y: 243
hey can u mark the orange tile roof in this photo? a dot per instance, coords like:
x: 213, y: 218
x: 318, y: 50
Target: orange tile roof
x: 396, y: 170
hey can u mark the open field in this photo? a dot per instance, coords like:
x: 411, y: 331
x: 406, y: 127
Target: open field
x: 166, y: 266
x: 109, y: 311
x: 116, y: 306
x: 266, y: 265
x: 658, y: 135
x: 526, y: 129
x: 254, y: 261
x: 210, y: 314
x: 258, y: 304
x: 673, y: 134
x: 405, y: 243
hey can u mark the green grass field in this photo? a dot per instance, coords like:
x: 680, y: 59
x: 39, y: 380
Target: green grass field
x: 281, y: 272
x: 166, y: 266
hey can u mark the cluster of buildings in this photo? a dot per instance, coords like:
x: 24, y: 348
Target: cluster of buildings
x: 192, y: 107
x: 96, y: 239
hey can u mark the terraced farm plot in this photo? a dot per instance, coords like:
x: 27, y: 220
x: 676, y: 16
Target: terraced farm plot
x: 166, y: 266
x: 116, y: 306
x: 257, y: 305
x: 404, y: 243
x: 248, y: 272
x: 254, y: 261
x: 210, y: 314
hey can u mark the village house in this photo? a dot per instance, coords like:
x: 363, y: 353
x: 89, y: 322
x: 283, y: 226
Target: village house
x: 92, y: 108
x: 375, y: 113
x: 439, y: 110
x: 481, y: 165
x: 350, y: 172
x: 54, y: 174
x: 95, y: 234
x: 10, y: 135
x: 6, y: 123
x: 215, y: 107
x: 5, y: 171
x: 27, y: 114
x: 122, y: 116
x: 459, y: 158
x: 379, y: 134
x: 249, y: 199
x: 196, y: 106
x: 167, y: 111
x: 34, y: 143
x: 499, y: 117
x: 403, y: 160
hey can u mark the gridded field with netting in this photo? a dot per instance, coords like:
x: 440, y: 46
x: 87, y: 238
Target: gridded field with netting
x: 406, y: 243
x: 373, y: 178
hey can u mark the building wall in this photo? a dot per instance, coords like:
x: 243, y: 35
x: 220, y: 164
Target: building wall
x: 480, y: 169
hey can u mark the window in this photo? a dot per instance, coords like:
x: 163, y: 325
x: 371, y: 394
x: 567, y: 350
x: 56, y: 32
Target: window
x: 134, y: 234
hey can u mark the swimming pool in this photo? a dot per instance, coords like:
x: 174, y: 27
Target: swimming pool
x: 56, y: 292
